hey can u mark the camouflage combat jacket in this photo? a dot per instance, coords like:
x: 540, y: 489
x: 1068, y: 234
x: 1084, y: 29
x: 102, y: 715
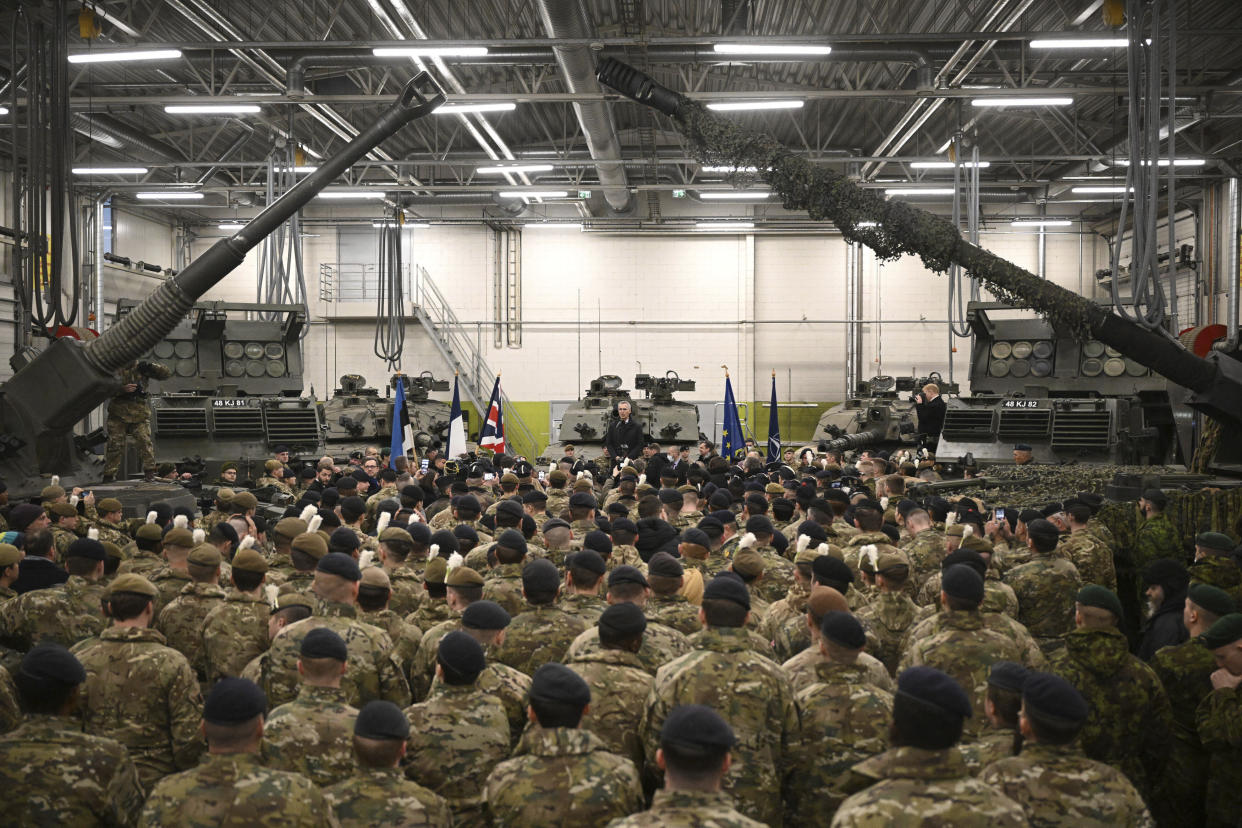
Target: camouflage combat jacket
x: 182, y: 622
x: 234, y: 632
x: 382, y: 796
x: 540, y: 635
x: 619, y: 688
x: 312, y: 735
x: 66, y: 614
x: 660, y: 645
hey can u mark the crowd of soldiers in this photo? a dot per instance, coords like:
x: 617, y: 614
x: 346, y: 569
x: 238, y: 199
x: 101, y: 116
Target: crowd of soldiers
x: 663, y: 640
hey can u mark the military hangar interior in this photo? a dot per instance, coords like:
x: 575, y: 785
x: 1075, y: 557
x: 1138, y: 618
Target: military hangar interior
x: 541, y: 226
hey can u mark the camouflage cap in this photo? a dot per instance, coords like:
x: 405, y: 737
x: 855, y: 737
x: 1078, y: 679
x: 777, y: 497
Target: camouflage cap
x: 62, y: 510
x: 437, y: 569
x: 311, y: 543
x: 396, y: 534
x: 295, y: 599
x: 176, y: 536
x: 244, y: 501
x: 375, y: 576
x: 205, y: 555
x: 150, y: 532
x: 748, y: 562
x: 109, y: 504
x: 9, y: 554
x: 463, y: 576
x: 249, y: 560
x: 52, y: 493
x: 132, y: 582
x: 290, y: 527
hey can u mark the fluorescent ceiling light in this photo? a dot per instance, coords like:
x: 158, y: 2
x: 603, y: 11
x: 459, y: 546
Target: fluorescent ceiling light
x: 782, y: 49
x: 231, y: 225
x: 1022, y: 102
x: 1041, y: 223
x: 743, y: 106
x: 180, y: 195
x: 714, y: 195
x: 724, y: 225
x: 1081, y: 43
x: 947, y: 165
x: 409, y: 225
x: 430, y: 51
x: 109, y: 170
x: 920, y: 191
x: 867, y: 224
x: 463, y: 108
x: 1109, y: 189
x: 520, y: 168
x: 212, y: 109
x: 533, y: 193
x: 1164, y: 162
x: 358, y: 194
x: 4, y: 110
x: 119, y: 57
x: 716, y: 169
x: 107, y: 227
x: 552, y: 225
x: 297, y: 169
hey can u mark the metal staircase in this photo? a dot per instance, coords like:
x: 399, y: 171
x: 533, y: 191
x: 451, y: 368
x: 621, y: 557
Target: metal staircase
x: 462, y: 354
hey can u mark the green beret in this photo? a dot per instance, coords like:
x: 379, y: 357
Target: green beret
x: 396, y: 533
x: 132, y: 582
x: 1224, y: 632
x: 205, y: 555
x: 463, y: 576
x: 1217, y: 541
x: 436, y: 569
x: 9, y: 554
x: 62, y: 510
x: 248, y: 560
x: 1213, y: 599
x: 295, y: 599
x: 311, y: 543
x: 149, y: 532
x: 109, y: 504
x: 244, y: 501
x: 52, y: 493
x: 113, y: 550
x: 1094, y: 595
x: 227, y: 466
x: 290, y: 527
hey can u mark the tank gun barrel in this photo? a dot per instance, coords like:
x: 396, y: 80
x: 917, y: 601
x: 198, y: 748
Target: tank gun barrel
x: 1216, y: 382
x: 847, y: 442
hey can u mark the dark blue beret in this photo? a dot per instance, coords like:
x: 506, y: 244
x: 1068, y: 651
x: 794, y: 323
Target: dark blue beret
x: 322, y: 642
x: 383, y: 721
x: 341, y: 565
x: 485, y: 615
x: 466, y: 532
x: 583, y: 500
x: 626, y: 574
x: 1054, y: 696
x: 512, y: 539
x: 813, y: 531
x: 233, y: 701
x: 622, y: 620
x: 625, y: 525
x: 557, y: 683
x: 962, y: 582
x: 829, y: 570
x: 589, y: 560
x: 344, y: 538
x: 1008, y: 675
x: 665, y: 565
x: 419, y: 532
x: 729, y: 587
x: 671, y: 497
x: 697, y: 726
x: 87, y: 548
x: 459, y: 652
x: 697, y: 537
x: 52, y: 662
x: 447, y: 542
x: 844, y: 629
x: 598, y: 541
x: 759, y: 525
x: 540, y: 575
x: 933, y: 687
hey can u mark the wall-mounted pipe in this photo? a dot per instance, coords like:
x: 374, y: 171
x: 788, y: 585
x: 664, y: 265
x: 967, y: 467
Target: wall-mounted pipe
x: 1229, y: 262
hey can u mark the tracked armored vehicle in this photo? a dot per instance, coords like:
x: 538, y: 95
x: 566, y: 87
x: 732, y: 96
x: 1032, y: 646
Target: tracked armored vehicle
x: 357, y: 416
x: 881, y: 415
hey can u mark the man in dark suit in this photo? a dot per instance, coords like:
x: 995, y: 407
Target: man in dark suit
x: 625, y: 436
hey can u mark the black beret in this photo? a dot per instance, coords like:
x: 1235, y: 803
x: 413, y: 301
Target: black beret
x: 485, y: 615
x: 834, y: 495
x: 719, y: 499
x: 49, y: 661
x: 813, y: 531
x: 1029, y: 516
x: 597, y: 541
x: 697, y: 726
x: 626, y: 574
x: 710, y: 527
x: 1156, y: 496
x: 623, y: 620
x: 697, y: 537
x: 831, y: 571
x: 1167, y: 573
x: 1225, y: 631
x: 510, y: 507
x: 728, y: 586
x: 759, y: 525
x: 653, y: 534
x: 467, y: 503
x: 725, y: 517
x: 584, y: 500
x: 344, y: 538
x: 383, y: 721
x: 557, y: 683
x: 87, y: 548
x: 965, y: 557
x: 1008, y: 675
x: 540, y: 575
x: 447, y: 542
x: 233, y: 701
x: 1094, y: 595
x: 419, y: 532
x: 1093, y: 500
x: 554, y: 523
x: 1042, y: 529
x: 671, y: 497
x: 512, y: 539
x: 322, y: 642
x: 589, y: 560
x: 341, y: 565
x: 466, y: 532
x: 962, y: 582
x: 1054, y: 697
x: 534, y: 496
x: 624, y: 525
x: 844, y: 629
x: 459, y: 652
x: 665, y: 565
x: 933, y: 687
x: 1213, y: 599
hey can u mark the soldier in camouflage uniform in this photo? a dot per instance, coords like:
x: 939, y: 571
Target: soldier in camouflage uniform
x: 460, y: 733
x: 750, y: 691
x: 371, y: 672
x: 175, y: 574
x: 232, y: 784
x: 922, y: 779
x: 667, y: 606
x: 891, y: 613
x: 1156, y: 537
x: 312, y: 735
x: 138, y: 691
x: 801, y: 669
x: 1220, y: 723
x: 1092, y: 557
x: 660, y: 645
x: 1215, y: 565
x: 561, y: 774
x: 778, y: 571
x: 373, y: 608
x: 845, y: 720
x: 434, y: 608
x: 182, y: 620
x: 584, y: 576
x: 405, y: 569
x: 53, y: 773
x: 110, y: 522
x: 619, y: 684
x: 1130, y: 723
x: 64, y: 526
x: 235, y: 631
x: 1045, y: 586
x: 544, y: 632
x: 378, y: 793
x: 10, y: 561
x: 926, y: 548
x: 1185, y: 671
x: 271, y: 478
x: 1052, y: 779
x: 145, y: 554
x: 503, y: 584
x: 1001, y: 706
x: 66, y: 613
x: 129, y: 415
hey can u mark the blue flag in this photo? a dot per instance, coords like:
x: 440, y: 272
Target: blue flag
x: 732, y: 441
x: 774, y: 427
x: 400, y: 424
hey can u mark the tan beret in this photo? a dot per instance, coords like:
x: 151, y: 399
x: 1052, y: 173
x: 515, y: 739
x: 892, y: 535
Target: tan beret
x: 583, y: 485
x: 244, y: 501
x: 954, y: 531
x: 290, y: 527
x: 112, y: 550
x: 825, y: 599
x: 295, y: 599
x: 981, y: 545
x: 52, y: 492
x: 150, y: 532
x: 808, y: 555
x: 205, y: 555
x: 436, y: 570
x: 249, y: 560
x: 557, y: 477
x: 375, y: 576
x: 774, y: 489
x: 62, y: 510
x: 748, y: 562
x: 225, y: 495
x: 396, y: 533
x: 132, y: 582
x: 179, y: 537
x: 688, y: 489
x: 9, y: 554
x: 312, y: 543
x: 463, y: 576
x: 109, y: 504
x: 509, y: 479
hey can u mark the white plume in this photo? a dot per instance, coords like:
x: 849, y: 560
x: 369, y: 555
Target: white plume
x: 181, y: 521
x: 364, y: 560
x: 642, y: 478
x: 73, y: 500
x: 200, y: 536
x: 950, y: 519
x: 246, y: 543
x: 56, y: 480
x: 803, y: 542
x: 884, y: 503
x: 581, y: 475
x: 152, y: 515
x: 748, y: 540
x: 380, y: 525
x: 823, y: 464
x: 871, y: 553
x: 92, y: 533
x: 309, y: 512
x: 455, y: 560
x: 858, y: 464
x: 433, y: 551
x: 312, y: 525
x: 415, y: 517
x: 967, y: 531
x: 846, y: 489
x: 822, y: 549
x: 273, y: 592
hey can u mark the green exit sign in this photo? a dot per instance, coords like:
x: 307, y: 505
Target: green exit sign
x: 584, y: 194
x: 679, y: 193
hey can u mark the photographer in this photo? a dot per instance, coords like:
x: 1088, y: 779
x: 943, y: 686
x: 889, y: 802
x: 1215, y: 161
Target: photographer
x: 129, y: 415
x: 930, y: 407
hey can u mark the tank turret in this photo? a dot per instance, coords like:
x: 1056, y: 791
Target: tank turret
x: 883, y: 408
x: 358, y: 416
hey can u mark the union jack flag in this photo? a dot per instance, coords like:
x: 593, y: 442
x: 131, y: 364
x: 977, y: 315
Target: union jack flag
x: 493, y: 434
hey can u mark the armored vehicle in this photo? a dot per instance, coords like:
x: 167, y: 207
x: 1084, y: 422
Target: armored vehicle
x: 357, y: 416
x: 51, y: 392
x: 664, y: 419
x: 883, y: 410
x: 236, y: 388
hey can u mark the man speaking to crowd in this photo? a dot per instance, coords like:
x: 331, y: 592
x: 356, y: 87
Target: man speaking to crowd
x: 625, y: 436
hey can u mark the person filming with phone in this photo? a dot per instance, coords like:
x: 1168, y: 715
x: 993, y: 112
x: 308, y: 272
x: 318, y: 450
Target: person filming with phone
x: 930, y: 407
